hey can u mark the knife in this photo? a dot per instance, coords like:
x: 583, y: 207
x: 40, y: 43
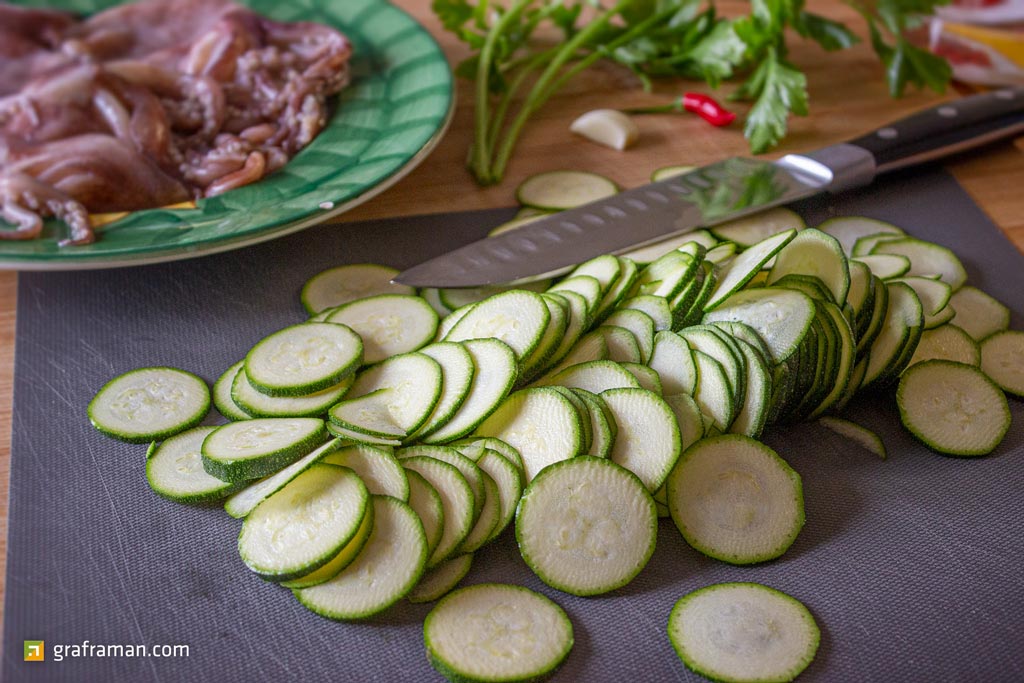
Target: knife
x: 721, y: 192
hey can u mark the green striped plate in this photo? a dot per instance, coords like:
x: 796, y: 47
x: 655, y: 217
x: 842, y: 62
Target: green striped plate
x: 392, y: 115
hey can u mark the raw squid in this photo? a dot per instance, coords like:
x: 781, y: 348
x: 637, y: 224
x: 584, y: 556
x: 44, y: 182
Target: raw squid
x: 150, y: 104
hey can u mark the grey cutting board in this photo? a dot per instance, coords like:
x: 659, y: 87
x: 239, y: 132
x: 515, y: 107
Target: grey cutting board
x: 911, y: 566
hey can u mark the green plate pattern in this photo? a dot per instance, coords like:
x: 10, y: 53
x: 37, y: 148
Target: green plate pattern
x: 386, y: 121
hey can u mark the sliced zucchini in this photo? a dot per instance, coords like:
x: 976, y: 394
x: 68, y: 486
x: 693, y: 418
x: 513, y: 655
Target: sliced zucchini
x: 953, y: 408
x: 474, y: 447
x: 449, y: 321
x: 1002, y: 359
x: 978, y: 314
x: 305, y: 524
x: 441, y: 580
x: 388, y: 324
x: 619, y: 289
x: 605, y: 269
x: 463, y: 296
x: 865, y: 245
x: 342, y: 284
x: 637, y: 322
x: 849, y: 229
x: 688, y: 417
x: 621, y: 344
x: 672, y: 359
x: 594, y: 376
x: 149, y: 404
x: 753, y: 414
x: 584, y: 285
x: 885, y: 266
x: 258, y: 448
x: 495, y: 632
x: 714, y: 394
x: 721, y: 254
x: 246, y: 500
x: 467, y: 467
x: 750, y: 230
x: 926, y: 258
x: 743, y: 633
x: 516, y: 317
x: 862, y: 436
x: 781, y: 317
x: 457, y: 371
x: 817, y: 254
x: 379, y: 469
x: 656, y: 308
x: 222, y: 394
x: 558, y: 321
x: 903, y: 318
x: 258, y: 404
x: 666, y: 172
x: 174, y: 470
x: 495, y: 374
x: 648, y: 441
x: 746, y: 265
x: 343, y: 559
x: 947, y: 342
x: 303, y: 359
x: 541, y: 423
x: 734, y: 499
x: 359, y: 437
x: 588, y: 348
x: 652, y: 252
x: 457, y: 503
x: 433, y: 297
x: 391, y: 399
x: 602, y: 424
x: 586, y: 526
x: 577, y: 322
x: 426, y: 503
x: 388, y: 567
x: 509, y: 482
x: 648, y: 379
x: 560, y: 190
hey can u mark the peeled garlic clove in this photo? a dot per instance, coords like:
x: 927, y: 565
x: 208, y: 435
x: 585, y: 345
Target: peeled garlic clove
x: 608, y: 127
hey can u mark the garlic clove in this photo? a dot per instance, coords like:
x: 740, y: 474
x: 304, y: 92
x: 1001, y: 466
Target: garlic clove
x: 608, y: 127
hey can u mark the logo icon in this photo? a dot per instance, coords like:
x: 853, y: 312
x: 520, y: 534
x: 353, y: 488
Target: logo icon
x: 34, y: 651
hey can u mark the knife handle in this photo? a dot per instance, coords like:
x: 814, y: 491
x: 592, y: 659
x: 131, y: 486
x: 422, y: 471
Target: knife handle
x: 945, y: 129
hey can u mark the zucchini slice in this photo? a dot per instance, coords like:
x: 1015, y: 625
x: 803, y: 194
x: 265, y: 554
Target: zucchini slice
x: 816, y: 254
x: 849, y: 229
x: 258, y: 404
x: 648, y: 379
x: 388, y: 324
x: 666, y: 172
x: 602, y: 425
x: 343, y: 559
x: 441, y: 580
x: 885, y: 266
x: 1002, y: 359
x: 541, y: 423
x: 745, y: 266
x: 342, y: 284
x: 473, y: 447
x: 258, y: 448
x: 246, y: 500
x: 467, y: 467
x: 743, y: 633
x: 978, y: 314
x: 387, y: 568
x: 222, y: 394
x: 734, y: 499
x: 637, y: 322
x: 509, y: 487
x: 494, y: 375
x: 577, y: 321
x: 391, y: 399
x: 647, y: 442
x: 652, y: 252
x: 656, y: 308
x: 927, y: 259
x: 750, y: 230
x: 594, y: 376
x: 862, y: 436
x: 379, y: 470
x: 781, y: 317
x: 457, y: 503
x: 457, y: 371
x: 953, y: 408
x: 672, y: 359
x: 149, y: 404
x: 303, y: 359
x: 947, y: 342
x: 174, y: 470
x: 305, y: 524
x: 516, y: 317
x: 494, y: 632
x: 426, y: 503
x: 560, y: 190
x: 586, y: 526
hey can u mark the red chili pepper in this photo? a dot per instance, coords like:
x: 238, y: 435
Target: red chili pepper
x: 707, y: 108
x: 700, y: 104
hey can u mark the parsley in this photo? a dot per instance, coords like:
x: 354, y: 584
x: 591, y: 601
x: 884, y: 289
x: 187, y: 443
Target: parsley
x: 516, y: 72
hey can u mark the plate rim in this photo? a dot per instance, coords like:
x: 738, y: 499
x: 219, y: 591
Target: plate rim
x: 33, y: 263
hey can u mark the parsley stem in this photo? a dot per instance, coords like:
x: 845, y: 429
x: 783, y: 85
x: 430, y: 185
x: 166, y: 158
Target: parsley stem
x: 481, y: 161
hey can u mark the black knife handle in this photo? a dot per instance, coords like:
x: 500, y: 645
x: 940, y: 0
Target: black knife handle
x: 945, y: 129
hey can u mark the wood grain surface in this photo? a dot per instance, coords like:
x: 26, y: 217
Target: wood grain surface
x: 848, y: 97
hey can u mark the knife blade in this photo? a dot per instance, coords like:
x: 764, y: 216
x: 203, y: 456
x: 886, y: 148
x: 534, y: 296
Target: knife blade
x: 720, y: 192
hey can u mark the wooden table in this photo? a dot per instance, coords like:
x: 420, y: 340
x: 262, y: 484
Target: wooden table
x: 848, y: 96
